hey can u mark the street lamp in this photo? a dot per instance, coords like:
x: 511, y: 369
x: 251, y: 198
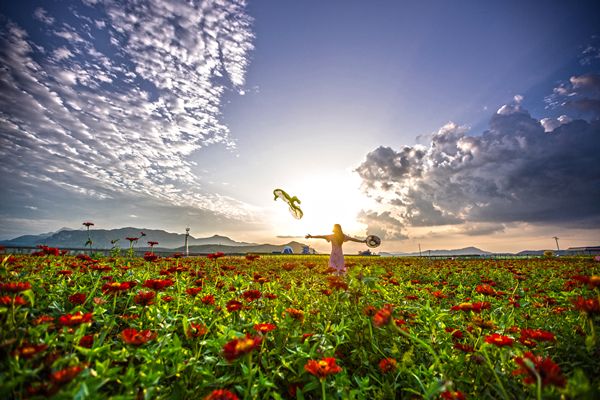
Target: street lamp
x: 187, y: 234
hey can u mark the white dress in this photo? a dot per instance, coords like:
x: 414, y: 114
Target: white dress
x: 336, y: 259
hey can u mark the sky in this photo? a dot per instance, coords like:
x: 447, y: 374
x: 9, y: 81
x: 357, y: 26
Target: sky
x: 428, y: 123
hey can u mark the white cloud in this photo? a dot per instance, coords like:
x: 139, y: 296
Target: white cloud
x: 124, y: 123
x: 41, y: 15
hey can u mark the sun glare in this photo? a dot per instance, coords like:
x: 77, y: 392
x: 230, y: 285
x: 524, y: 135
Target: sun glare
x: 327, y: 199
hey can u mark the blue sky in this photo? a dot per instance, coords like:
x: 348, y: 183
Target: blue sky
x: 440, y: 123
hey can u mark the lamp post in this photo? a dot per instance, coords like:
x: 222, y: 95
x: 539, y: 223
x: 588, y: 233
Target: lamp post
x: 187, y: 234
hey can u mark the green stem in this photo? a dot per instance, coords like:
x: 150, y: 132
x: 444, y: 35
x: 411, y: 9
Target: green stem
x: 323, y: 394
x: 250, y: 376
x: 498, y: 381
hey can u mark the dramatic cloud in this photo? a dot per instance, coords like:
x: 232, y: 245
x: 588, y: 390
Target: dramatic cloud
x: 116, y: 99
x: 520, y: 170
x: 382, y: 224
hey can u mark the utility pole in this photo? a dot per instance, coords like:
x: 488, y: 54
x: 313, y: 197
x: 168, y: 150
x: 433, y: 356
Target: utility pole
x: 557, y: 248
x: 187, y: 234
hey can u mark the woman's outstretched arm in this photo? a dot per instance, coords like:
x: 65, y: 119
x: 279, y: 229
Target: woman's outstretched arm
x: 309, y: 236
x: 351, y: 239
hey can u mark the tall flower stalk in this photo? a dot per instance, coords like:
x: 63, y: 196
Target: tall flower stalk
x: 89, y: 242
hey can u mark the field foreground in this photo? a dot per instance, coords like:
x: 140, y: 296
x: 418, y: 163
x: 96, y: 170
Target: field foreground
x: 278, y: 327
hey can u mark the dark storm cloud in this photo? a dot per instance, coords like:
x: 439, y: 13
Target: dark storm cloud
x: 514, y: 171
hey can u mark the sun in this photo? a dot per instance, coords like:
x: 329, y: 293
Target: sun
x: 326, y: 199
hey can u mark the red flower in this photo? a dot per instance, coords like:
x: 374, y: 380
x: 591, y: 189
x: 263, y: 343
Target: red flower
x: 452, y: 395
x: 193, y: 291
x: 499, y: 340
x: 208, y: 299
x: 116, y: 287
x: 475, y: 307
x: 238, y: 347
x: 383, y: 316
x: 87, y: 341
x: 264, y: 328
x: 234, y: 305
x: 251, y: 295
x: 457, y: 334
x: 132, y: 239
x: 74, y: 319
x: 88, y: 224
x: 150, y: 256
x: 77, y: 298
x: 195, y: 330
x: 66, y: 375
x: 221, y: 394
x: 387, y: 365
x: 322, y: 368
x: 252, y: 257
x: 29, y: 350
x: 9, y: 301
x: 270, y: 296
x: 152, y: 243
x: 588, y: 306
x: 466, y: 348
x: 134, y: 337
x: 15, y: 287
x: 548, y: 371
x: 537, y: 334
x: 167, y: 298
x: 214, y: 256
x: 158, y: 284
x: 144, y: 298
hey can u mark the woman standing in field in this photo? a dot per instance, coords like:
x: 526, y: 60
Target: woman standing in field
x: 336, y: 259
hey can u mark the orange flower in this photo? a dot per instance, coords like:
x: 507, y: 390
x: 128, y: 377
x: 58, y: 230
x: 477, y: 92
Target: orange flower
x: 74, y: 319
x: 66, y: 375
x: 196, y: 330
x: 383, y: 316
x: 29, y: 350
x: 134, y: 337
x: 499, y: 340
x: 238, y: 347
x: 387, y: 365
x: 298, y: 315
x: 322, y: 368
x: 264, y: 328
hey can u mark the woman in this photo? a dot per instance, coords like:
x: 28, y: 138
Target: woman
x: 336, y: 260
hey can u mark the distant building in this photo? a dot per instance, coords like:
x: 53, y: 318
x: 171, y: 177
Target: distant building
x: 586, y: 250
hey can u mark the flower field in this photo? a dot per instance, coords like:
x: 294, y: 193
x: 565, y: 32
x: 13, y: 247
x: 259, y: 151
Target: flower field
x: 280, y: 327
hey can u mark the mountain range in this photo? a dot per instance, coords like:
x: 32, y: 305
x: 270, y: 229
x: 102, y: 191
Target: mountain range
x: 455, y: 252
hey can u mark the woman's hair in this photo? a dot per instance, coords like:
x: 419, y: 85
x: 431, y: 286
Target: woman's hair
x: 338, y: 234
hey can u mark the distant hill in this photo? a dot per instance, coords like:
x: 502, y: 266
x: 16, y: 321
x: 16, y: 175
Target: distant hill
x: 101, y: 238
x: 456, y: 252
